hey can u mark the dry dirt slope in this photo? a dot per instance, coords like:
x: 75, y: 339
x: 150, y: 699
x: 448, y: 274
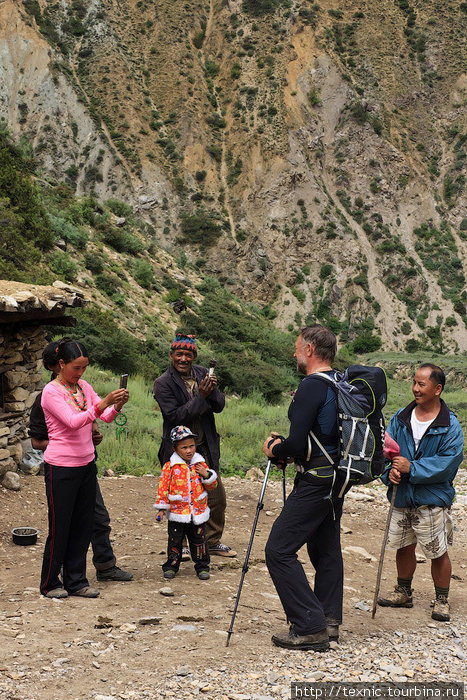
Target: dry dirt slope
x: 52, y: 650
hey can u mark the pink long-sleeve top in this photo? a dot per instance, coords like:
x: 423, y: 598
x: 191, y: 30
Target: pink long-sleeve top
x: 70, y: 430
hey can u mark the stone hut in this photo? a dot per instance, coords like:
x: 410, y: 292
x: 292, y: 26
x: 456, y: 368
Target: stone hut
x: 24, y: 310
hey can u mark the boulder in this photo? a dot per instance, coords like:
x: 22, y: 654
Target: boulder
x: 11, y: 481
x: 255, y: 474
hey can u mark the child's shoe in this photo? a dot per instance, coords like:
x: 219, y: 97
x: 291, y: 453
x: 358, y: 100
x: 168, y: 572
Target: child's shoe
x: 169, y: 574
x: 204, y: 575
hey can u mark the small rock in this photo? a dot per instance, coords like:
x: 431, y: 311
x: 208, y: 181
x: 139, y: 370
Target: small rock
x: 59, y: 662
x: 184, y: 628
x: 362, y: 605
x: 128, y: 627
x: 150, y: 620
x: 190, y: 618
x: 166, y: 590
x: 359, y: 551
x: 109, y: 472
x: 183, y: 671
x: 12, y: 481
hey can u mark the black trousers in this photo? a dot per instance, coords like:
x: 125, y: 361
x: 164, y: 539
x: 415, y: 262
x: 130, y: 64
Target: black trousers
x: 310, y: 516
x: 217, y: 503
x: 196, y: 537
x: 71, y: 497
x: 103, y: 555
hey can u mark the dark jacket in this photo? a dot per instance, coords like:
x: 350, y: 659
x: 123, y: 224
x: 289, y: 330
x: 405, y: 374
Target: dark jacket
x: 433, y: 466
x: 179, y: 408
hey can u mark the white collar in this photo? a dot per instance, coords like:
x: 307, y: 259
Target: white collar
x: 176, y: 459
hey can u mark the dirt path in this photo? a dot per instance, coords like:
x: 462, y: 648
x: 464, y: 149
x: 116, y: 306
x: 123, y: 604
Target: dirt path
x: 53, y: 650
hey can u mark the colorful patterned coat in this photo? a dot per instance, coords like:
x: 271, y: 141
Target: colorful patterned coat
x: 182, y: 491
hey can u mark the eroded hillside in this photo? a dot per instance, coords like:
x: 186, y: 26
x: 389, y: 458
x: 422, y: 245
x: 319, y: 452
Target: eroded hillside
x: 310, y: 155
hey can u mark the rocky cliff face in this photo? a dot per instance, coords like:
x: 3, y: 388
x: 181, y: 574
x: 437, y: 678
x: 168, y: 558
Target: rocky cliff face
x: 309, y: 155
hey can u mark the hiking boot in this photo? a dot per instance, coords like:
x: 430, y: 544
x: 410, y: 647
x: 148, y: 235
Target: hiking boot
x: 333, y: 630
x: 441, y: 609
x: 222, y: 550
x: 318, y: 641
x: 114, y: 574
x: 57, y: 593
x: 203, y: 575
x: 170, y: 574
x: 86, y: 592
x: 399, y: 599
x: 186, y: 556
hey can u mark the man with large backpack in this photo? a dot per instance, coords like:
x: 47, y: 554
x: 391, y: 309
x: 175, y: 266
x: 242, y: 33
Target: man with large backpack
x: 312, y: 512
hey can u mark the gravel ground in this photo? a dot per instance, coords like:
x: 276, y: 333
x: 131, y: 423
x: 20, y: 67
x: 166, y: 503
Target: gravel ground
x: 134, y: 642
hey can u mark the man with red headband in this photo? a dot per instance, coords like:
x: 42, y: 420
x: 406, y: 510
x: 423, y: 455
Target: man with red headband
x: 188, y: 395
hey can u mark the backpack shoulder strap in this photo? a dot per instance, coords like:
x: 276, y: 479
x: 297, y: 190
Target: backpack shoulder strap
x: 331, y: 382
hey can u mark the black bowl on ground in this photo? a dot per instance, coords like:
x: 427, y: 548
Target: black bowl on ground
x: 24, y: 535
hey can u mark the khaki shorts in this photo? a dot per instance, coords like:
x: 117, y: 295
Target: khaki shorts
x: 430, y: 526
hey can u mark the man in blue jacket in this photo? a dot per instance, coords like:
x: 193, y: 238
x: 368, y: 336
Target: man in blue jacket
x: 431, y: 442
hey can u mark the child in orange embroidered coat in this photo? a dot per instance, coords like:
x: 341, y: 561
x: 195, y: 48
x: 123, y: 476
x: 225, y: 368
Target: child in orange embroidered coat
x: 181, y: 494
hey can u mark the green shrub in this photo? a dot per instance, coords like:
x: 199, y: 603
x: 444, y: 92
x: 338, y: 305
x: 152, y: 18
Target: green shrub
x: 298, y: 294
x: 257, y: 8
x: 211, y: 68
x: 26, y: 230
x: 143, y: 273
x: 107, y: 283
x: 63, y: 228
x: 235, y: 71
x: 366, y: 343
x: 412, y: 345
x: 117, y: 237
x: 313, y: 97
x: 93, y: 262
x: 325, y: 271
x: 200, y: 228
x: 215, y: 151
x: 119, y: 208
x: 63, y: 266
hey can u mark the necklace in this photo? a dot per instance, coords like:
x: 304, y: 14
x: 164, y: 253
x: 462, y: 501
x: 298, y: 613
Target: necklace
x: 81, y: 406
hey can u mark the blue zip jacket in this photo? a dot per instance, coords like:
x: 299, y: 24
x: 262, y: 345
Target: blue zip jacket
x: 433, y: 466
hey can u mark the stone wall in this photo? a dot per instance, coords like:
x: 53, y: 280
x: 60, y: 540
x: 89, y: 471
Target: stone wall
x: 21, y: 356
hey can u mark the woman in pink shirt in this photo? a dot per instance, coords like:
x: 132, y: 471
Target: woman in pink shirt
x: 70, y: 406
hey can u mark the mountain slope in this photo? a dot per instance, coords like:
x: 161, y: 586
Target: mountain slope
x: 310, y: 156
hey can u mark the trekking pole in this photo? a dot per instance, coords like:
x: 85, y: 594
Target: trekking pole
x: 250, y: 544
x: 383, y: 548
x: 284, y: 492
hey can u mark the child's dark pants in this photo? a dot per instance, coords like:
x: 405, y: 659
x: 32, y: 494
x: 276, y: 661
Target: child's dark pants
x: 196, y: 540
